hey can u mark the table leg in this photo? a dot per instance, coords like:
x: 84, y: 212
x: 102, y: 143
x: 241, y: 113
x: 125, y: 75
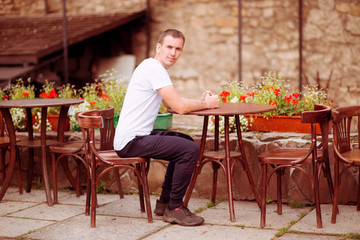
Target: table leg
x: 228, y: 170
x: 43, y: 156
x: 11, y: 130
x: 244, y: 161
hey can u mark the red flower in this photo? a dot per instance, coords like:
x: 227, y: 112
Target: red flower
x: 44, y: 95
x: 296, y: 95
x: 52, y: 94
x: 273, y: 102
x: 6, y: 96
x: 277, y: 91
x: 251, y: 94
x: 242, y: 98
x: 295, y: 101
x: 26, y: 94
x: 92, y: 103
x: 288, y: 99
x: 105, y: 96
x: 224, y: 93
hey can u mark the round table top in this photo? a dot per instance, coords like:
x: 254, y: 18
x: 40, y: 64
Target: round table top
x: 39, y: 102
x: 229, y: 109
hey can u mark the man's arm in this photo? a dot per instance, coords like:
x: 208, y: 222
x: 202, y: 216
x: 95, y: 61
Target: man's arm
x: 185, y: 105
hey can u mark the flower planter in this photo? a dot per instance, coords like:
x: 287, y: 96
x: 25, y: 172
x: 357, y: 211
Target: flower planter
x: 53, y: 120
x: 163, y: 121
x: 280, y: 124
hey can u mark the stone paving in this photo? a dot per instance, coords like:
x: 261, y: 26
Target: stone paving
x: 28, y: 216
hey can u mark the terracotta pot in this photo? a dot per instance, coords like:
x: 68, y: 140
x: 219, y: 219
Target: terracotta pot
x: 54, y: 120
x: 280, y: 124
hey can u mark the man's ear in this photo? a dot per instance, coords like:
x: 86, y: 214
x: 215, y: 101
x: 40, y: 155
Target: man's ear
x: 158, y: 46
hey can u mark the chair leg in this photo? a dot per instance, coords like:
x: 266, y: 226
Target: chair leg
x: 358, y: 199
x: 78, y: 188
x: 141, y: 192
x: 19, y: 175
x: 54, y: 172
x: 336, y: 191
x: 146, y: 192
x: 30, y: 169
x: 2, y: 162
x: 93, y: 195
x: 118, y: 181
x: 215, y: 177
x: 279, y: 191
x: 88, y: 196
x: 263, y: 197
x: 317, y: 194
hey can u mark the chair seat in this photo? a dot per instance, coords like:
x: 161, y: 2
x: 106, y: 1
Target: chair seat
x: 112, y: 157
x: 35, y: 143
x: 287, y: 156
x: 220, y: 154
x: 353, y: 156
x: 67, y: 147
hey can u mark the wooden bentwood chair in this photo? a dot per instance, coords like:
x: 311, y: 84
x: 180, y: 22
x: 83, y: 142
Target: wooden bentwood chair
x: 75, y: 149
x: 4, y: 146
x: 344, y: 152
x: 108, y: 160
x: 317, y: 155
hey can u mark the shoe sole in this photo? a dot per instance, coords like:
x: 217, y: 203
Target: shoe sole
x: 174, y: 220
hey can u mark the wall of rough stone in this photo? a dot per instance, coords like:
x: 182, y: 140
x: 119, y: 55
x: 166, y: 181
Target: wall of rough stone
x: 270, y: 39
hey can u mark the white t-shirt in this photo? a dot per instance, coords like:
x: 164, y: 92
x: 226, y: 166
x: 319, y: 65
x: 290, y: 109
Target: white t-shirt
x: 142, y: 102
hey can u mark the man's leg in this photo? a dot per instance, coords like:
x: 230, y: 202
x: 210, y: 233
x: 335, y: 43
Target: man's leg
x: 182, y: 154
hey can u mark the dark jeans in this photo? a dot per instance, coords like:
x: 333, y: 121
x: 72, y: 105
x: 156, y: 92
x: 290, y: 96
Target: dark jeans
x: 179, y: 149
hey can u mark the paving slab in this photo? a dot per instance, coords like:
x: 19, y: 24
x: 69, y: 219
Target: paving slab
x: 54, y: 213
x: 294, y: 236
x: 70, y: 198
x: 14, y: 227
x: 348, y: 221
x: 107, y: 227
x: 7, y: 207
x: 211, y: 232
x: 248, y: 214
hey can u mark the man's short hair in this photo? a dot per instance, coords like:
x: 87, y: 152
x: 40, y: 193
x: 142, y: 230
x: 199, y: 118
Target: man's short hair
x: 172, y: 32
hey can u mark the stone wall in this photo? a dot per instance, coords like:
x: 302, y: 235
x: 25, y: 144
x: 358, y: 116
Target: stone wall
x: 295, y: 185
x: 270, y: 39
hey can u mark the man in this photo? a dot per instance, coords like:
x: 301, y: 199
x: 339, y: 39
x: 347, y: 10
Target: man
x: 149, y: 85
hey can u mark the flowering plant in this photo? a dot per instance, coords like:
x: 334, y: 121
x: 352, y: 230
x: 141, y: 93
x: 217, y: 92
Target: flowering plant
x: 108, y: 90
x: 20, y: 90
x: 273, y: 90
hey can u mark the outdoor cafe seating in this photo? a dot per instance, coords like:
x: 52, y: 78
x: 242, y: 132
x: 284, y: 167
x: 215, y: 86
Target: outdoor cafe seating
x: 108, y: 160
x: 316, y: 155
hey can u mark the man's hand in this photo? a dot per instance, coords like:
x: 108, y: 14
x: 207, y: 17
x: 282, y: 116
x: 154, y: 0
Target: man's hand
x: 212, y: 101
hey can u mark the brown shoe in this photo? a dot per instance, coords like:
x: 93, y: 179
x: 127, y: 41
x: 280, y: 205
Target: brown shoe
x: 182, y: 215
x: 160, y: 208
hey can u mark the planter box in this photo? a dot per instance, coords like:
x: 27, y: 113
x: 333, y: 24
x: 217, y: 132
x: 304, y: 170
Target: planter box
x: 280, y: 124
x: 163, y: 121
x: 53, y: 120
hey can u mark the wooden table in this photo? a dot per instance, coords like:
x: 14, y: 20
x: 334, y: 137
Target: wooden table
x: 230, y: 157
x: 28, y: 104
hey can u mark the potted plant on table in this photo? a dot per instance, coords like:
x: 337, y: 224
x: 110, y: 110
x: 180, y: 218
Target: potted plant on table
x: 21, y: 90
x: 108, y: 90
x: 273, y: 90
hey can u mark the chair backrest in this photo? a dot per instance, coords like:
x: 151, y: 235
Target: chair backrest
x: 107, y: 133
x: 2, y: 125
x: 101, y: 119
x: 342, y: 118
x: 321, y: 115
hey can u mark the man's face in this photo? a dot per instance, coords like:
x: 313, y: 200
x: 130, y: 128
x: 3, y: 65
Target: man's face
x: 169, y: 51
